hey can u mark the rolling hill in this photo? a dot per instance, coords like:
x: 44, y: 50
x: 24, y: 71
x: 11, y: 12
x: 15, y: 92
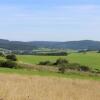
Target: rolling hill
x: 18, y: 45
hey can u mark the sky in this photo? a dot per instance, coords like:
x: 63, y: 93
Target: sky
x: 50, y: 20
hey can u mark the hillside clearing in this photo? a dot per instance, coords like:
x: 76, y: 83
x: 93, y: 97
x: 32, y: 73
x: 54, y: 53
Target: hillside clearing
x: 16, y: 87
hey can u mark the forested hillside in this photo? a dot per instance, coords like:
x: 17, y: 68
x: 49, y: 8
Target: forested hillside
x: 18, y: 45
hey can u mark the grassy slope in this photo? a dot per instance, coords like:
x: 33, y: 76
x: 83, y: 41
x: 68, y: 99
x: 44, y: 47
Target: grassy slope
x: 51, y: 74
x: 87, y: 59
x: 36, y: 59
x: 90, y: 59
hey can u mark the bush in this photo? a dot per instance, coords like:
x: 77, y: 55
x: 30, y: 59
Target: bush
x: 73, y: 66
x: 45, y: 63
x: 8, y: 64
x: 63, y: 65
x: 84, y: 68
x: 11, y: 57
x: 62, y: 68
x: 58, y: 62
x: 78, y: 67
x: 61, y: 61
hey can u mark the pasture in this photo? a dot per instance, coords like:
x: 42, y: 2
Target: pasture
x: 90, y: 59
x: 27, y: 84
x: 17, y: 87
x: 36, y: 59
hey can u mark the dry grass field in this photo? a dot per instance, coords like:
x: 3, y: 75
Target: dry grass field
x: 17, y: 87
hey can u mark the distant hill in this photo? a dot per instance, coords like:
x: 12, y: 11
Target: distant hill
x: 15, y: 45
x: 18, y: 45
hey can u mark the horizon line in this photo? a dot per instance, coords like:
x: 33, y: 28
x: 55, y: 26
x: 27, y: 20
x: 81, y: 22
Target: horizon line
x: 46, y: 40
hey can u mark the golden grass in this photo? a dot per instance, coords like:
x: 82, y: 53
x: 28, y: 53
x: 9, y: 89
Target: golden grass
x: 17, y: 87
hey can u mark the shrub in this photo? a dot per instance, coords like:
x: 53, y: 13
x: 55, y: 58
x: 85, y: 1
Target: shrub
x: 45, y: 63
x: 61, y: 61
x: 62, y: 68
x: 73, y: 66
x: 84, y: 68
x: 11, y: 57
x: 63, y: 65
x: 8, y: 64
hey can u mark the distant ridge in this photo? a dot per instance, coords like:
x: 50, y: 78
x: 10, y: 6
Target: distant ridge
x: 19, y: 45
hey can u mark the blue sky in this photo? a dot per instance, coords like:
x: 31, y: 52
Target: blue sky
x: 50, y: 20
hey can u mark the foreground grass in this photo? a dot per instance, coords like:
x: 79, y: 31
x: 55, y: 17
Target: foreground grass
x: 18, y: 87
x: 73, y: 75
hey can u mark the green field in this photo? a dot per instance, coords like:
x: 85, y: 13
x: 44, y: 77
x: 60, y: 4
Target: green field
x: 73, y: 75
x: 1, y: 58
x: 91, y: 59
x: 36, y: 59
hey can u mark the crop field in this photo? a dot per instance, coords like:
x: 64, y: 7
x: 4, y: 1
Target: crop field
x: 18, y: 87
x: 89, y: 59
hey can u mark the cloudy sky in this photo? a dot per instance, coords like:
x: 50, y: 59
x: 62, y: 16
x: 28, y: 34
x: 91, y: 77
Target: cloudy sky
x: 50, y: 20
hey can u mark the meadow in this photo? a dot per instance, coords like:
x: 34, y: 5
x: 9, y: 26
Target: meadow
x: 90, y: 59
x: 27, y: 84
x: 36, y: 59
x: 18, y: 87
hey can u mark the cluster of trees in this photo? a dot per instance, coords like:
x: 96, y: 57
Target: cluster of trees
x: 9, y: 62
x: 63, y: 65
x: 41, y: 52
x: 52, y: 54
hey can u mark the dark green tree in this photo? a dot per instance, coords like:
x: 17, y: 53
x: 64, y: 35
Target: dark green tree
x: 11, y: 57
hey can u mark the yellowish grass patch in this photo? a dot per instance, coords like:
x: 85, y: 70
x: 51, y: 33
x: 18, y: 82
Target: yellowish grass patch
x: 17, y: 87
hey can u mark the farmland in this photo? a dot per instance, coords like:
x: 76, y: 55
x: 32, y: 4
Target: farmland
x: 91, y: 59
x: 42, y: 84
x: 50, y: 50
x: 36, y: 59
